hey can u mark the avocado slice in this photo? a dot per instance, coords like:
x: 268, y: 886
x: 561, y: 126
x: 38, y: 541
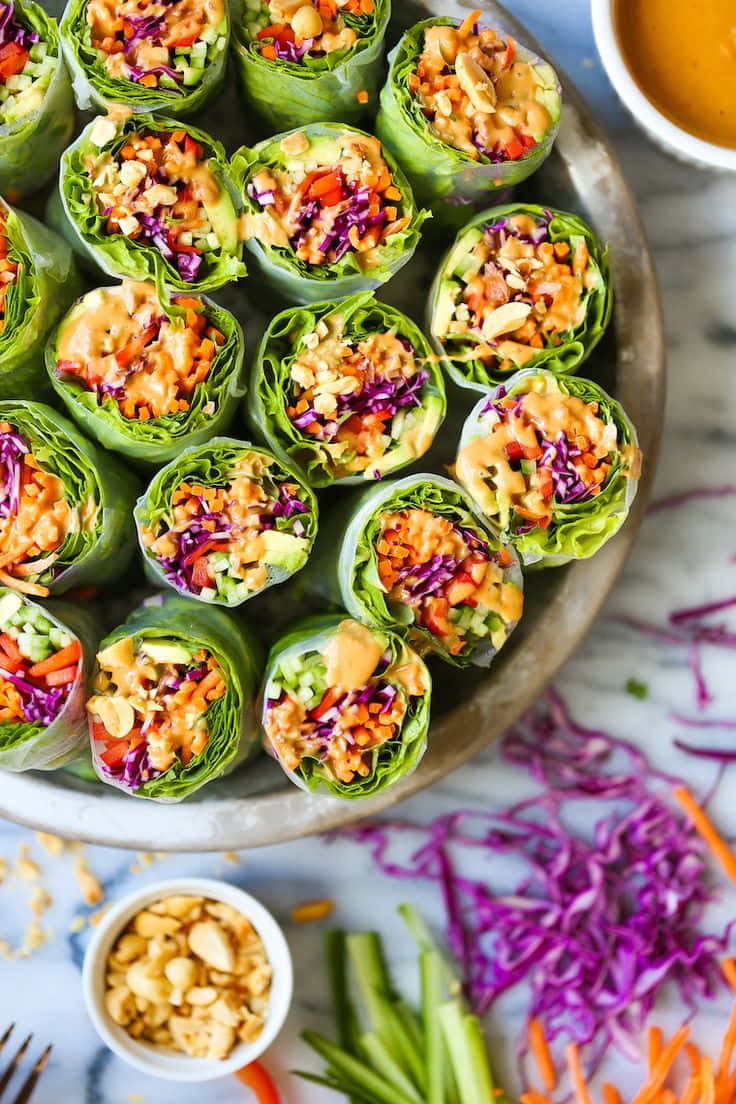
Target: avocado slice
x: 165, y: 651
x: 223, y: 219
x: 284, y: 550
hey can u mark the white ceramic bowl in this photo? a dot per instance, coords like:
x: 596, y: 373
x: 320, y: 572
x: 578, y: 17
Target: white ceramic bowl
x: 666, y: 133
x: 167, y: 1064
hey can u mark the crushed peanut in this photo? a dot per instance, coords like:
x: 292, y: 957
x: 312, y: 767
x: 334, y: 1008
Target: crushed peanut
x: 54, y: 845
x: 92, y: 891
x: 189, y: 974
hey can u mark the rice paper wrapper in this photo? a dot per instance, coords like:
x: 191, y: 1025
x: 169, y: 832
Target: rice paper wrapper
x: 96, y: 90
x: 207, y: 464
x: 72, y: 212
x: 270, y: 385
x: 443, y: 178
x: 89, y: 475
x: 285, y: 94
x: 348, y: 572
x: 578, y: 530
x: 394, y: 760
x: 46, y: 283
x: 30, y: 148
x: 296, y: 281
x: 31, y: 747
x: 158, y: 440
x: 233, y: 731
x: 575, y: 347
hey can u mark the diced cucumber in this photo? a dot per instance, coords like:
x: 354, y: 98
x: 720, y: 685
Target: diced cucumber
x: 199, y: 50
x: 38, y: 51
x: 10, y: 605
x: 191, y: 76
x: 34, y: 647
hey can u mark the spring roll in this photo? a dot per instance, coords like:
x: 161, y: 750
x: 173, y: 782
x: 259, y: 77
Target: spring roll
x: 310, y: 61
x: 46, y: 654
x: 36, y: 102
x: 172, y: 700
x: 146, y: 198
x: 327, y: 212
x: 345, y: 708
x: 65, y: 506
x: 146, y: 376
x: 347, y: 390
x: 522, y: 287
x: 553, y: 463
x: 413, y: 555
x: 39, y: 282
x: 151, y: 55
x: 466, y: 111
x: 225, y: 521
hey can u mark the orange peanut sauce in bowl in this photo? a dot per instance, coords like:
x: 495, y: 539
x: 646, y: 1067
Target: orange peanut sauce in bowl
x: 682, y: 55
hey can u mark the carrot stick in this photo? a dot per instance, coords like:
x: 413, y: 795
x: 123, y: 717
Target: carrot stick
x: 704, y: 827
x: 658, y: 1076
x: 611, y: 1094
x: 580, y: 1089
x: 63, y: 658
x: 694, y: 1056
x: 655, y: 1046
x: 542, y: 1056
x: 692, y: 1089
x: 728, y: 968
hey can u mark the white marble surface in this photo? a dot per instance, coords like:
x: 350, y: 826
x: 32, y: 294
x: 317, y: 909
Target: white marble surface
x: 684, y: 556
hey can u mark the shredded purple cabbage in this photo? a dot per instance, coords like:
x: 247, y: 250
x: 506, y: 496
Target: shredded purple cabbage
x: 600, y: 923
x: 13, y: 31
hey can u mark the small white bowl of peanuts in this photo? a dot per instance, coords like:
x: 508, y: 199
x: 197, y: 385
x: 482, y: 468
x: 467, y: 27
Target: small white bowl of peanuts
x: 188, y: 980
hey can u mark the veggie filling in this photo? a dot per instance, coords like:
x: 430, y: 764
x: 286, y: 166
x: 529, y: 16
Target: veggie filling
x: 157, y: 190
x: 354, y: 396
x: 476, y: 95
x: 346, y: 205
x: 517, y: 293
x: 8, y: 269
x: 26, y: 68
x: 543, y: 450
x: 39, y: 664
x: 35, y: 516
x: 450, y: 579
x: 291, y: 30
x: 150, y: 706
x: 338, y: 707
x: 220, y: 541
x: 157, y: 43
x: 121, y: 346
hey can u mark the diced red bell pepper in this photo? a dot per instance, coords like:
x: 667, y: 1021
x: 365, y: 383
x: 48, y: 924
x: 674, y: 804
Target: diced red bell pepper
x: 115, y: 752
x: 514, y: 451
x: 200, y: 573
x: 330, y: 697
x: 13, y: 58
x: 63, y: 676
x: 514, y: 149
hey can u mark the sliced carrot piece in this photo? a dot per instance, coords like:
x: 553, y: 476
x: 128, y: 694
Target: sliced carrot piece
x: 706, y: 830
x: 611, y: 1095
x: 655, y: 1046
x: 63, y: 676
x: 542, y: 1056
x: 579, y: 1086
x: 63, y: 658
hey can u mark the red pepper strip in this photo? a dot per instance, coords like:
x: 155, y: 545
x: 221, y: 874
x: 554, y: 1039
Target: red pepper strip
x: 135, y: 346
x: 260, y: 1083
x: 208, y: 546
x: 190, y: 146
x: 514, y: 149
x: 115, y: 752
x: 99, y: 732
x: 201, y: 574
x: 10, y: 648
x: 13, y: 60
x: 62, y: 677
x: 279, y: 32
x: 330, y: 697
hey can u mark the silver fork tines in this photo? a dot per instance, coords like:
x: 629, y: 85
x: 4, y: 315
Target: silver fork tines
x: 26, y: 1089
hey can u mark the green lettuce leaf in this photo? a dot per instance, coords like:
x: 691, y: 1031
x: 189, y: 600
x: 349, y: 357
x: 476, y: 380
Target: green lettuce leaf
x: 286, y: 94
x: 393, y: 760
x: 268, y: 394
x: 31, y: 745
x: 73, y: 212
x: 46, y: 283
x: 297, y: 281
x: 96, y: 90
x: 212, y: 464
x: 231, y: 720
x: 212, y: 405
x: 347, y: 561
x: 445, y: 179
x: 30, y: 148
x: 580, y: 529
x: 92, y: 480
x: 575, y: 346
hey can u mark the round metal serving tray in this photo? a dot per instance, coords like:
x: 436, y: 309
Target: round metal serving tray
x: 256, y: 805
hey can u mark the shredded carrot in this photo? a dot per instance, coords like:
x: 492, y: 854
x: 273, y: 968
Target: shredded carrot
x: 534, y: 1098
x: 727, y: 1048
x: 23, y: 586
x: 728, y: 968
x: 704, y: 827
x: 655, y: 1046
x: 707, y: 1082
x: 580, y: 1088
x: 693, y: 1055
x: 542, y: 1056
x: 611, y: 1094
x: 651, y: 1087
x: 466, y: 27
x: 692, y: 1090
